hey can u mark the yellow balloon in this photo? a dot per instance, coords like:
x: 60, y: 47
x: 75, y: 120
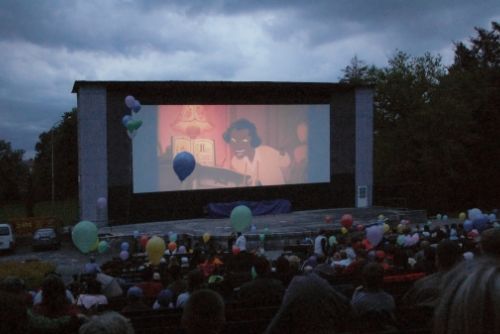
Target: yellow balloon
x: 206, y: 237
x: 344, y: 230
x: 462, y: 216
x: 155, y: 249
x: 94, y: 247
x: 387, y: 228
x: 400, y: 228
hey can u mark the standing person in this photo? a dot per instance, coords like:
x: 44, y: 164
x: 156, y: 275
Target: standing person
x: 320, y: 244
x: 241, y: 242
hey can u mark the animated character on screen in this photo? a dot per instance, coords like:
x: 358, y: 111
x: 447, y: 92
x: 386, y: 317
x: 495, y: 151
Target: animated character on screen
x: 262, y: 163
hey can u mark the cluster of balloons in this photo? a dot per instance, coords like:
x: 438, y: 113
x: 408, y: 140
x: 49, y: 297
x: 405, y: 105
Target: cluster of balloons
x: 184, y: 164
x: 128, y: 121
x: 241, y: 218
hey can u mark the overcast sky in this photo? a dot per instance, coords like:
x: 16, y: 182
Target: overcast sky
x: 47, y: 45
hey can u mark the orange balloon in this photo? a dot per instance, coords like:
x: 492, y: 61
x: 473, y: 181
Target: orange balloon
x: 172, y: 246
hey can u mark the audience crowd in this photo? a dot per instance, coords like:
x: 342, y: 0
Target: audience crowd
x: 447, y: 281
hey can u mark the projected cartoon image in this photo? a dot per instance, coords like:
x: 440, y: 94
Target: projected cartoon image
x: 262, y: 163
x: 233, y: 146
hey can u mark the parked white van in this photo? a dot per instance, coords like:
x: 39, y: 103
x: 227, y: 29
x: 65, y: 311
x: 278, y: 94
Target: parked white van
x: 7, y: 239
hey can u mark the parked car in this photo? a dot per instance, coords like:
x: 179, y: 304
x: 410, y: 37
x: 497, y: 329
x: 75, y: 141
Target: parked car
x: 46, y: 238
x: 7, y: 238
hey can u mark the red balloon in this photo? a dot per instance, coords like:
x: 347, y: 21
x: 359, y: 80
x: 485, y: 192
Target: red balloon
x: 172, y: 246
x: 236, y: 250
x: 346, y: 221
x: 143, y: 241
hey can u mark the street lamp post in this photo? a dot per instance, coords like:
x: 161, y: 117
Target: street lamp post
x: 53, y: 184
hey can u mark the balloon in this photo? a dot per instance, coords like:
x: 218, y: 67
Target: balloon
x: 343, y: 230
x: 467, y: 225
x: 480, y: 224
x: 401, y: 240
x: 475, y: 214
x: 414, y: 239
x: 492, y: 217
x: 184, y: 165
x: 124, y: 246
x: 126, y: 119
x: 266, y: 231
x: 462, y: 216
x: 102, y: 203
x: 445, y: 217
x: 129, y: 101
x: 235, y: 250
x: 124, y: 255
x: 400, y: 228
x: 103, y: 246
x: 206, y: 237
x: 381, y: 217
x: 155, y: 249
x: 143, y: 241
x: 262, y: 237
x: 133, y: 125
x: 241, y: 218
x: 367, y: 244
x: 374, y: 234
x: 253, y: 228
x: 473, y: 234
x: 438, y: 216
x: 84, y: 236
x: 136, y: 234
x: 328, y: 219
x: 332, y: 240
x: 95, y: 245
x: 387, y: 228
x: 137, y: 106
x: 172, y: 237
x: 346, y: 221
x: 172, y: 246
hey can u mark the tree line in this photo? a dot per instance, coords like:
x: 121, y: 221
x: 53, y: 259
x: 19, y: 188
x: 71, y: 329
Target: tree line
x: 436, y: 128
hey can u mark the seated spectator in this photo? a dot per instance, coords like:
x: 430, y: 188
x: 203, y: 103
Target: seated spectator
x: 195, y: 282
x: 470, y: 300
x: 490, y: 242
x: 370, y: 299
x: 38, y: 297
x: 177, y: 283
x: 92, y: 297
x: 283, y: 270
x: 151, y: 284
x: 164, y: 300
x: 107, y: 323
x: 135, y: 301
x: 203, y: 313
x: 211, y: 265
x: 54, y: 314
x: 310, y: 305
x: 13, y: 313
x: 263, y: 290
x: 425, y: 291
x: 15, y: 286
x: 91, y: 268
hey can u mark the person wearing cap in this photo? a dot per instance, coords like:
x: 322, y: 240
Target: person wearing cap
x: 135, y: 301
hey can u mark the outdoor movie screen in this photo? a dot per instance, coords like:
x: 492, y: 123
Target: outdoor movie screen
x: 232, y: 145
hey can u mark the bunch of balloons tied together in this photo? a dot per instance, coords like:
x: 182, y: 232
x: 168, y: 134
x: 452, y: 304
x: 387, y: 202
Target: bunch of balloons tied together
x: 128, y: 121
x: 85, y: 237
x: 475, y: 221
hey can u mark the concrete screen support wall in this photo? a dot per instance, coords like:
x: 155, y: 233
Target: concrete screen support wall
x: 92, y: 152
x: 364, y: 147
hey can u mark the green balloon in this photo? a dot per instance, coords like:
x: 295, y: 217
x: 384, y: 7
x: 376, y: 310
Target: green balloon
x: 262, y: 237
x: 134, y: 125
x: 332, y: 240
x: 84, y: 236
x: 103, y: 246
x: 241, y: 218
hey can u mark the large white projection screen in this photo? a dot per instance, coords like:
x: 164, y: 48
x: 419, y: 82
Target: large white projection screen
x: 233, y: 146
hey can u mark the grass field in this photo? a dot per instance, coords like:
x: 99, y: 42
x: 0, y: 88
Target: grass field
x: 31, y: 272
x: 66, y: 210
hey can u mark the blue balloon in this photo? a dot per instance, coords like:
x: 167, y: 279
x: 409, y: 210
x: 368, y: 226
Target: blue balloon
x: 126, y: 119
x: 480, y: 224
x: 468, y: 225
x: 137, y: 106
x: 124, y: 246
x: 184, y: 165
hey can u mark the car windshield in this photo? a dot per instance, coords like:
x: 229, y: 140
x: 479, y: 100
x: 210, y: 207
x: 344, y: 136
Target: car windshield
x: 45, y: 233
x: 4, y: 230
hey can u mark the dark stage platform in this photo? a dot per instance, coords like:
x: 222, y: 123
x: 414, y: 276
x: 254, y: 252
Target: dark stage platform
x: 283, y: 229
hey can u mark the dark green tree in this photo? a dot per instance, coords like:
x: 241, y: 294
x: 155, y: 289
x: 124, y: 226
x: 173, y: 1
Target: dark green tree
x: 13, y: 173
x: 58, y: 145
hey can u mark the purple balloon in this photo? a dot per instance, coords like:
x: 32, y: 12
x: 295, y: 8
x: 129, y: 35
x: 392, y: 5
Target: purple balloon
x: 374, y: 234
x: 129, y: 101
x: 124, y: 255
x: 137, y: 106
x: 102, y: 203
x: 184, y: 165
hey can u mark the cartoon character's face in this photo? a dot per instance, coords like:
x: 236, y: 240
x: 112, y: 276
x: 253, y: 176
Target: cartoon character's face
x: 240, y: 142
